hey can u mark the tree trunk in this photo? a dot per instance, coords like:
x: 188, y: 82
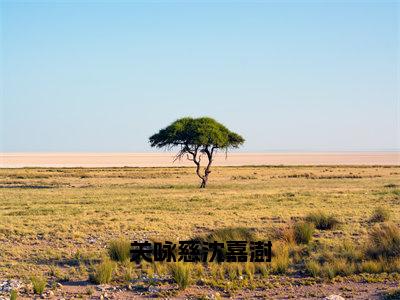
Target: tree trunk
x: 204, y: 182
x: 207, y: 171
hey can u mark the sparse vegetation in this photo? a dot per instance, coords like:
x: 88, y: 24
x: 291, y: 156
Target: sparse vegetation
x: 103, y: 272
x: 322, y: 221
x: 38, y: 284
x: 303, y: 232
x: 119, y: 250
x: 129, y: 272
x: 313, y: 268
x: 13, y: 295
x: 380, y: 214
x: 384, y: 241
x: 181, y: 274
x: 391, y: 185
x: 371, y: 266
x: 230, y: 234
x: 280, y: 261
x: 74, y: 222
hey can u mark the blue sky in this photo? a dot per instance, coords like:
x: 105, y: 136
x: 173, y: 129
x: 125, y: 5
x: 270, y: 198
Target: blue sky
x: 292, y: 76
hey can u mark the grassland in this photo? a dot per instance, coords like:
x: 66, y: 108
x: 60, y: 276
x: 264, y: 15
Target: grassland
x: 58, y: 223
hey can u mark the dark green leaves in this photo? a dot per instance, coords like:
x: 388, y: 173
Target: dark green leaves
x: 201, y: 132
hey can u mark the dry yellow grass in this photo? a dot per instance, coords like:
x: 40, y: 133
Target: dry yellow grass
x: 55, y: 218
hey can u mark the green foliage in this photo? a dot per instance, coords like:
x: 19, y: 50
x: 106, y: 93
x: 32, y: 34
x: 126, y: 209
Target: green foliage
x: 341, y: 267
x: 250, y: 269
x: 230, y: 234
x: 384, y: 241
x: 181, y: 274
x: 38, y: 284
x: 322, y: 221
x: 231, y: 270
x: 103, y: 272
x: 227, y: 234
x: 201, y: 132
x: 128, y: 271
x: 303, y: 232
x: 280, y: 260
x: 13, y: 295
x: 380, y: 214
x: 119, y: 250
x: 370, y: 266
x: 349, y: 251
x: 330, y: 269
x: 313, y: 268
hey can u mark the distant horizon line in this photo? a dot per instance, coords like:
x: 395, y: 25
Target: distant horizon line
x: 220, y: 151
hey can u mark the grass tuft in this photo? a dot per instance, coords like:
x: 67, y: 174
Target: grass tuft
x: 380, y: 214
x: 119, y: 250
x: 231, y: 234
x: 384, y: 241
x: 38, y: 284
x: 349, y: 251
x: 103, y: 273
x: 280, y: 260
x: 313, y: 268
x: 370, y: 266
x: 13, y: 295
x: 303, y: 232
x: 181, y: 274
x: 322, y: 221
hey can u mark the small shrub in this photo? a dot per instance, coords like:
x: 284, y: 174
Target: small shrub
x: 231, y: 234
x: 13, y: 295
x: 384, y: 241
x: 263, y: 269
x: 250, y: 270
x: 227, y: 234
x: 181, y: 274
x: 390, y: 185
x: 128, y: 270
x: 148, y: 269
x: 103, y: 273
x: 198, y: 270
x: 326, y: 255
x: 342, y: 267
x: 231, y: 270
x: 322, y: 221
x: 328, y: 271
x: 119, y: 250
x: 370, y: 266
x: 288, y: 235
x: 313, y: 268
x: 89, y: 290
x: 280, y: 260
x: 393, y: 265
x: 217, y: 271
x: 303, y: 232
x: 38, y: 284
x: 349, y: 251
x: 380, y: 214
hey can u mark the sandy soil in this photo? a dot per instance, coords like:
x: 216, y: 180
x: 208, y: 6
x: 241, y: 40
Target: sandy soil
x: 347, y: 290
x: 16, y: 160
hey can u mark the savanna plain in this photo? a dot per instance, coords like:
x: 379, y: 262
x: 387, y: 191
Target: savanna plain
x: 66, y: 232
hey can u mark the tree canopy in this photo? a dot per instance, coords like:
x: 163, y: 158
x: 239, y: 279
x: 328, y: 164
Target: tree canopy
x: 201, y: 132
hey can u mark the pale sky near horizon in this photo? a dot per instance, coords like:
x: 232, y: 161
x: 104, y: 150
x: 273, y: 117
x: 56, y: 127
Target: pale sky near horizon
x: 288, y: 76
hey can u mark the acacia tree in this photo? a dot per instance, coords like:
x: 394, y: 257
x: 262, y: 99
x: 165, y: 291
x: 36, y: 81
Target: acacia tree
x: 195, y: 138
